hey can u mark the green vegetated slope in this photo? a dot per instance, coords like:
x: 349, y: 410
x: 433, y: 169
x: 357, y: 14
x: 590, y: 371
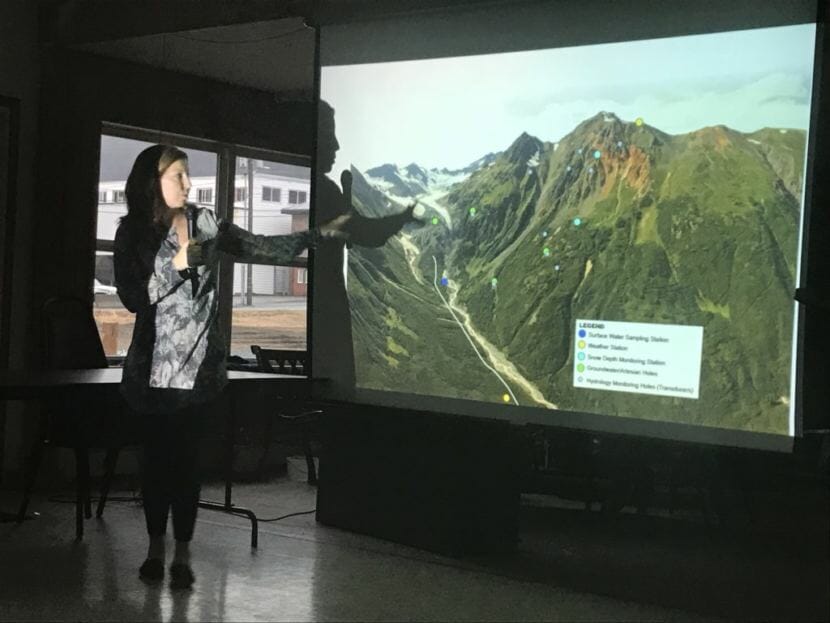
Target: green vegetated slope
x: 695, y: 229
x: 405, y: 338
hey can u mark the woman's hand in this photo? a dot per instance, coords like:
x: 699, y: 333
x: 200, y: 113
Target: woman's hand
x: 414, y: 213
x: 338, y: 228
x: 180, y: 259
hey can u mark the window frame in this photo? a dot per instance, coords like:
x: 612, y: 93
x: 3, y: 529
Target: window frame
x: 223, y: 204
x: 271, y: 190
x: 208, y: 192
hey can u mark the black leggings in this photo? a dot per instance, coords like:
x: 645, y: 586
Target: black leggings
x: 170, y: 471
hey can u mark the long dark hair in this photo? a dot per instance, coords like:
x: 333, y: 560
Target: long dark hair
x: 145, y: 204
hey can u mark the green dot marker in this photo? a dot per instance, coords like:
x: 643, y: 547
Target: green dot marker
x: 546, y: 252
x: 494, y: 282
x: 434, y: 220
x: 581, y: 367
x: 472, y: 211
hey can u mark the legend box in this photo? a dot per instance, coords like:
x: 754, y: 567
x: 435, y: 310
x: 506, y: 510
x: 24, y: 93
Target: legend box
x: 640, y: 358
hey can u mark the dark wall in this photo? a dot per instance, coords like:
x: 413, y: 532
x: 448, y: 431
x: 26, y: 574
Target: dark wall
x: 816, y: 328
x: 19, y: 73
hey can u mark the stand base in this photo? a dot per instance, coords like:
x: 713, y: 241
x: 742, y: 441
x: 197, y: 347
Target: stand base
x: 235, y: 510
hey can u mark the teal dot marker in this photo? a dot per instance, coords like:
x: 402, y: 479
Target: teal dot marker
x: 581, y: 356
x: 434, y: 220
x: 546, y: 252
x: 597, y: 154
x: 577, y: 222
x: 472, y: 211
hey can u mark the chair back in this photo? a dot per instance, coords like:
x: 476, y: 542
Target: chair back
x: 71, y: 336
x: 281, y: 361
x: 72, y: 342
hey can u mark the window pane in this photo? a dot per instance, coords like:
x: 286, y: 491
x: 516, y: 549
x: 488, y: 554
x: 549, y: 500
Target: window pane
x: 115, y: 323
x: 269, y: 302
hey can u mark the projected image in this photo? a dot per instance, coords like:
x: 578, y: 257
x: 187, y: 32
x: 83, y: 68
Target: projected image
x: 612, y: 229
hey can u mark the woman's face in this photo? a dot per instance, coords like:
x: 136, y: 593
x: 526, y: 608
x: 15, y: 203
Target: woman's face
x: 175, y: 184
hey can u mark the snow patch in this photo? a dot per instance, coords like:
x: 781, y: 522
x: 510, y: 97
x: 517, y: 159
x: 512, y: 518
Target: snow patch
x: 533, y: 161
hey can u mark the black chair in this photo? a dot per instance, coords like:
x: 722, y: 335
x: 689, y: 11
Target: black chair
x: 293, y: 413
x: 71, y: 341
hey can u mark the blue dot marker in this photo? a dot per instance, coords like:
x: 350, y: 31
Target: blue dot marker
x: 597, y: 154
x: 444, y: 281
x: 582, y: 333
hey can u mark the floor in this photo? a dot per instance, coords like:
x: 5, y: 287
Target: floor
x: 301, y: 571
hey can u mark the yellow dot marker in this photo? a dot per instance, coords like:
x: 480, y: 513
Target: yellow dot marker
x: 506, y: 397
x: 638, y: 121
x: 581, y: 343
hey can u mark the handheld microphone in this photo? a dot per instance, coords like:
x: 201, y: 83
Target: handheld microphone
x: 190, y: 214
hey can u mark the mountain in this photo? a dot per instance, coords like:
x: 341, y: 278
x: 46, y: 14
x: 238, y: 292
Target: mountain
x: 413, y: 180
x: 695, y: 229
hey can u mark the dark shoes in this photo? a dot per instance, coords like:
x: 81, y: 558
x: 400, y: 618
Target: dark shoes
x: 181, y: 576
x: 152, y: 570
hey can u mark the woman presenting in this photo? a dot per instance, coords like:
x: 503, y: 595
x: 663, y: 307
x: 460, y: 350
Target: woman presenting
x: 175, y: 365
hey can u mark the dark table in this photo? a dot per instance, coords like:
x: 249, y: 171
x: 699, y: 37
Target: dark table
x: 24, y: 385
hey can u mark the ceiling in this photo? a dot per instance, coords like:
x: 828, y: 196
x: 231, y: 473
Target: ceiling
x: 276, y: 56
x: 263, y: 44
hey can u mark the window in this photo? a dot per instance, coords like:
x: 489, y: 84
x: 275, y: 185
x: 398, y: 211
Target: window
x: 269, y: 193
x: 205, y: 195
x: 297, y: 196
x: 115, y: 323
x: 269, y: 303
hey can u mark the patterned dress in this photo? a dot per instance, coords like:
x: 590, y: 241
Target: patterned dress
x: 177, y: 355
